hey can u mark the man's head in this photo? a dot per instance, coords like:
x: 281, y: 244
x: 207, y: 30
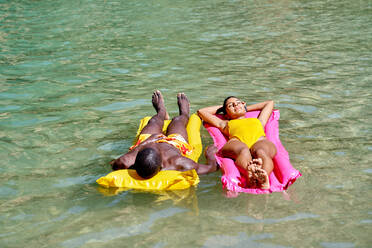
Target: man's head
x: 148, y: 163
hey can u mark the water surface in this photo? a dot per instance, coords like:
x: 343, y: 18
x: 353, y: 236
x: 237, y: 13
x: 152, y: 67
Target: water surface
x: 76, y: 78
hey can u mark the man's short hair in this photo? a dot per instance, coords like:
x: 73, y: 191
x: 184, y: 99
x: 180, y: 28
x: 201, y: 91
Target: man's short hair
x: 148, y: 163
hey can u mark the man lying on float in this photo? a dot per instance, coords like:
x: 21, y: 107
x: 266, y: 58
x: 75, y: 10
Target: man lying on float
x: 155, y: 151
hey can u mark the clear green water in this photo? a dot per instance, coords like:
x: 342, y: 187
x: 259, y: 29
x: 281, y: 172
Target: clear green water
x: 77, y: 76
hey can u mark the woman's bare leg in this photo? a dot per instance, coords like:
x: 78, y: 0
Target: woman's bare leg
x: 237, y: 150
x: 266, y: 151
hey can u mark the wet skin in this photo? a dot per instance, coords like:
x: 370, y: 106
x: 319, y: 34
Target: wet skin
x: 171, y: 157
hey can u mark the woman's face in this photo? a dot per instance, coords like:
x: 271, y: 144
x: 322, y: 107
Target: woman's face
x: 235, y: 108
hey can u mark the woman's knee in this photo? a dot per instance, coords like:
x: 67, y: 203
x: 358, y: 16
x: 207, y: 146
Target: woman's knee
x: 264, y: 153
x: 235, y: 145
x: 264, y: 149
x: 261, y: 153
x: 234, y: 149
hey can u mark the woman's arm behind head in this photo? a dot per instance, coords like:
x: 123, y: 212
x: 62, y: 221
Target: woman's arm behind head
x: 208, y: 115
x: 267, y: 109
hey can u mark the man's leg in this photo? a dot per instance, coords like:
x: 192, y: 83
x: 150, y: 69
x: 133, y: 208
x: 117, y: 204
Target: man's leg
x: 155, y: 124
x: 179, y: 123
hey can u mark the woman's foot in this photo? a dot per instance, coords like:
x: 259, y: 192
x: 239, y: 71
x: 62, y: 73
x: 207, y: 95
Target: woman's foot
x: 262, y: 179
x: 158, y: 103
x: 257, y: 177
x: 183, y: 104
x: 257, y: 161
x: 251, y: 183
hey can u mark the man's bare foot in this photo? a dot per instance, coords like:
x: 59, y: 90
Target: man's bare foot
x: 158, y: 103
x: 183, y: 104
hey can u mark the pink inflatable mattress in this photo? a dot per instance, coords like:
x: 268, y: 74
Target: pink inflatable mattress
x: 233, y: 178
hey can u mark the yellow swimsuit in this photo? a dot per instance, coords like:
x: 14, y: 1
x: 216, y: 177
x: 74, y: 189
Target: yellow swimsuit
x: 247, y: 130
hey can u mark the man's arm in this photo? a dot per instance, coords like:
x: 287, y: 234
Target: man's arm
x: 127, y: 160
x: 183, y: 163
x: 211, y: 165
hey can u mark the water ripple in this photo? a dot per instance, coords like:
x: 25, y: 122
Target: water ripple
x: 77, y: 76
x: 120, y: 232
x: 241, y: 240
x: 250, y: 220
x: 121, y: 105
x: 67, y: 182
x: 337, y: 245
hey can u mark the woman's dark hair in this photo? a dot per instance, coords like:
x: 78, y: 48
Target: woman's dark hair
x: 148, y: 163
x: 222, y: 110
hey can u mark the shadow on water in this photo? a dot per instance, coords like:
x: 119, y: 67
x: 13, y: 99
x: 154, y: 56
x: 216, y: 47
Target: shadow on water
x: 185, y: 198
